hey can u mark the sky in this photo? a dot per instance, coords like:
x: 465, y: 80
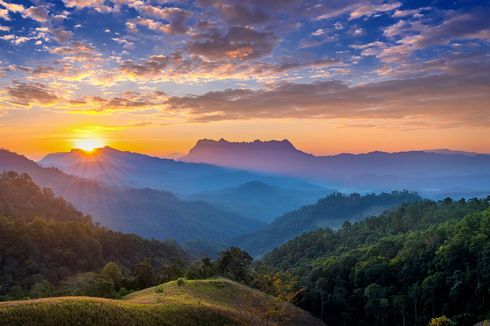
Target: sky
x: 331, y: 76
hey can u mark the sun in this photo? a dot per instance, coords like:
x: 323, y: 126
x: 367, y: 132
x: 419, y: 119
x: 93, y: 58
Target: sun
x: 88, y: 144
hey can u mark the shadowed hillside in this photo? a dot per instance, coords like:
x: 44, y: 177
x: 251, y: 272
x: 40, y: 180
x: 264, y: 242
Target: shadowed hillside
x: 259, y: 200
x: 331, y: 211
x: 44, y: 240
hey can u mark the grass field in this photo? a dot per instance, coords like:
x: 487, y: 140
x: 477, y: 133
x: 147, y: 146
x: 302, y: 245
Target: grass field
x: 199, y: 302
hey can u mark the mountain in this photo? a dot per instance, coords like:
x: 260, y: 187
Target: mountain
x: 421, y: 171
x: 122, y: 168
x: 255, y: 156
x: 331, y: 211
x: 146, y: 212
x: 420, y: 261
x: 450, y: 151
x: 259, y: 200
x: 197, y: 302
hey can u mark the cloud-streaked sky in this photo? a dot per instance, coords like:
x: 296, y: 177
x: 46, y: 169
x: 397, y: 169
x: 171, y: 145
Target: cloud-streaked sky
x: 331, y: 76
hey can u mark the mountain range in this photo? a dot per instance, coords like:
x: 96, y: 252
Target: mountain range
x: 123, y: 168
x: 147, y: 212
x: 226, y: 192
x: 430, y: 172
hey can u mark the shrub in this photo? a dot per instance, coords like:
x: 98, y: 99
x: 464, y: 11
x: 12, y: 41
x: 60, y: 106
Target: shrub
x: 180, y: 281
x: 440, y: 321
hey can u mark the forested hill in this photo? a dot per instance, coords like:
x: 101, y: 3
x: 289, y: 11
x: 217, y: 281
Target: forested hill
x: 331, y: 211
x: 422, y: 260
x: 44, y: 240
x: 20, y: 197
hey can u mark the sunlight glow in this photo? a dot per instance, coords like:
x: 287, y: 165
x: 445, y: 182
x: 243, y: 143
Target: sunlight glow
x: 88, y: 144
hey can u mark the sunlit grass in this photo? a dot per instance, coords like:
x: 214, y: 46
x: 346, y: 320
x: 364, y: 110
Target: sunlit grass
x: 201, y: 302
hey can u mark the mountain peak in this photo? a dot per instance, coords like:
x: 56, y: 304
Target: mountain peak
x: 285, y: 143
x: 255, y: 155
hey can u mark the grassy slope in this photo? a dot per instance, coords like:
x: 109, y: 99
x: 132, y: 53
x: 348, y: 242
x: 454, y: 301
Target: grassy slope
x: 199, y: 302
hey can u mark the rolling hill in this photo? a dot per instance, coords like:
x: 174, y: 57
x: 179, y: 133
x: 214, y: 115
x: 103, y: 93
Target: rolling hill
x: 331, y: 211
x: 146, y: 212
x: 200, y: 302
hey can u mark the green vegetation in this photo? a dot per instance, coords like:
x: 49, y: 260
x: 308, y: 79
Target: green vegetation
x: 260, y: 201
x: 405, y: 267
x: 49, y: 248
x: 331, y: 211
x: 196, y: 302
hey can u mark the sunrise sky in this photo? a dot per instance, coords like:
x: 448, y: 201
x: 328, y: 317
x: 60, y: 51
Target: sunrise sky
x: 331, y: 76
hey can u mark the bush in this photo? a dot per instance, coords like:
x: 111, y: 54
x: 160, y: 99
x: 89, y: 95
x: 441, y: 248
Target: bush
x: 440, y: 321
x: 180, y: 281
x: 159, y: 289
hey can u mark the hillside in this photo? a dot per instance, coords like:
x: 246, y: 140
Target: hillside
x: 331, y: 211
x: 422, y: 260
x: 148, y: 213
x: 259, y: 200
x: 200, y: 302
x: 44, y: 240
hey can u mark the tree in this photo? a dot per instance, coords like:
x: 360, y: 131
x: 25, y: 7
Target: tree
x: 112, y: 271
x: 144, y: 274
x: 236, y: 264
x: 88, y: 284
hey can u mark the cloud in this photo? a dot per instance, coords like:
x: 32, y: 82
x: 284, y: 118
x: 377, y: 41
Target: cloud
x: 26, y: 94
x: 15, y: 39
x: 125, y: 43
x: 176, y: 17
x: 410, y: 35
x: 437, y: 97
x: 4, y: 14
x: 371, y: 9
x: 236, y: 43
x: 76, y: 51
x: 98, y: 5
x: 241, y: 12
x: 12, y: 7
x: 354, y: 8
x: 39, y: 14
x: 472, y: 25
x: 153, y: 66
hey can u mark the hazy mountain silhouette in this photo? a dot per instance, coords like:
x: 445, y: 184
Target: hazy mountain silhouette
x: 123, y: 168
x: 259, y: 200
x: 146, y: 212
x: 431, y: 171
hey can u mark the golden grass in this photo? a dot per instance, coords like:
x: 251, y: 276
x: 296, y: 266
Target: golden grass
x: 199, y: 302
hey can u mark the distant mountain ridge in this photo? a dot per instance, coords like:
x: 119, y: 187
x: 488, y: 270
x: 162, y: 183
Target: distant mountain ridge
x: 259, y: 200
x: 146, y: 212
x: 124, y: 168
x: 430, y: 171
